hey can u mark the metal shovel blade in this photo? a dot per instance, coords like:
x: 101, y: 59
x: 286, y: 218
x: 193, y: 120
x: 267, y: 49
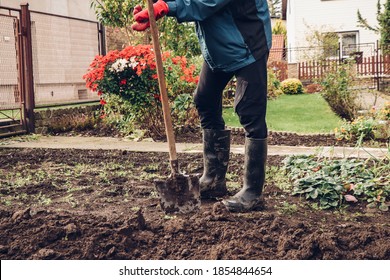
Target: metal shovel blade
x: 179, y: 194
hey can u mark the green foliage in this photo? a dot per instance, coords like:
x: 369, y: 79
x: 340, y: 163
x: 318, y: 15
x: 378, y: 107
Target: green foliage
x: 118, y: 113
x: 184, y: 110
x: 338, y: 90
x: 180, y: 38
x: 116, y: 13
x: 287, y: 209
x: 291, y: 86
x: 279, y: 28
x: 383, y: 28
x: 334, y: 182
x: 275, y: 7
x: 273, y: 85
x: 375, y: 125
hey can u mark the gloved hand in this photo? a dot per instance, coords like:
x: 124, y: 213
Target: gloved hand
x: 160, y: 9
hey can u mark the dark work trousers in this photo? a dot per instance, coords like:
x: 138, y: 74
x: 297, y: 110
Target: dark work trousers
x: 250, y: 102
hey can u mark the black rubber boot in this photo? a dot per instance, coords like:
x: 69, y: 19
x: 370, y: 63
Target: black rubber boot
x: 249, y: 197
x: 216, y: 148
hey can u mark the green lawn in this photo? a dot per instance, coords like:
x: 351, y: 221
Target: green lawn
x: 305, y: 113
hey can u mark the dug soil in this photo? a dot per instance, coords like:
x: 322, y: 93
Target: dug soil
x: 72, y: 204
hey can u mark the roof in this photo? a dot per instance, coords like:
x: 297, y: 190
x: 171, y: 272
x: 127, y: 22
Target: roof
x: 277, y: 50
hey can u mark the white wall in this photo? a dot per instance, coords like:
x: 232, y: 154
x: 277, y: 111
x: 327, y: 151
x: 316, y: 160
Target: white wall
x: 62, y: 51
x: 329, y: 16
x: 70, y: 8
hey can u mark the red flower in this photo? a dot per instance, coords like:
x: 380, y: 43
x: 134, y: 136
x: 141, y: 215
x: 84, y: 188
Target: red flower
x: 157, y: 97
x: 123, y: 82
x: 103, y: 102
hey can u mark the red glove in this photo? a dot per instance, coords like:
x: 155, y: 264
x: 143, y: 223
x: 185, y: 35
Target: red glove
x: 160, y: 9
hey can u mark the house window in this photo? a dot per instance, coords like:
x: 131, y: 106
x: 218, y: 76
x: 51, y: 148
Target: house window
x: 348, y: 43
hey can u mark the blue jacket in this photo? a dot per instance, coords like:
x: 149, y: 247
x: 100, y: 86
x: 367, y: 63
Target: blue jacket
x: 232, y: 33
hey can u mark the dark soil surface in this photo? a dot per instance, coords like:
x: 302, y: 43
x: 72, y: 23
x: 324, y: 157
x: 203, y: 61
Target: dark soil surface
x: 71, y: 204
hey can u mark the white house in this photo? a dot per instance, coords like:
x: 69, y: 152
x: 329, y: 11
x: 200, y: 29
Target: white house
x: 339, y: 16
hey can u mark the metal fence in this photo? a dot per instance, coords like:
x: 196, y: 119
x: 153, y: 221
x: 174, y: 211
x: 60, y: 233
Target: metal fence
x: 62, y: 49
x: 9, y: 89
x: 43, y: 58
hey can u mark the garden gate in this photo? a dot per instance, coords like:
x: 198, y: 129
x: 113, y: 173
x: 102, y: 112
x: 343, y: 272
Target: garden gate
x: 16, y: 80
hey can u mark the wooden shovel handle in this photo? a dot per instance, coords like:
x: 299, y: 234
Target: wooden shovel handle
x: 163, y: 90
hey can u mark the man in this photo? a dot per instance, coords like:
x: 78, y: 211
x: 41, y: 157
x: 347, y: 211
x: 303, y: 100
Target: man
x: 235, y: 38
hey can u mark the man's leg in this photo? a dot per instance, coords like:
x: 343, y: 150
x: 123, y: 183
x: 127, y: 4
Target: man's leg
x: 251, y: 105
x: 216, y: 140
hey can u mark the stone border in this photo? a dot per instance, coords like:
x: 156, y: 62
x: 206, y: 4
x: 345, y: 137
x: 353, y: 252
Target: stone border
x: 282, y: 133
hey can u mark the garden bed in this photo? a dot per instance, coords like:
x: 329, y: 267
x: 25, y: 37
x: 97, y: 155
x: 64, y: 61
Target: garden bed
x: 194, y: 135
x: 73, y: 204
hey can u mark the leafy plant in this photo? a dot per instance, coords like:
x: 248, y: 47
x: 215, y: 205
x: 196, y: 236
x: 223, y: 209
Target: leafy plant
x: 180, y: 38
x: 383, y: 28
x: 116, y: 13
x: 184, y: 109
x: 287, y: 208
x: 291, y: 86
x: 338, y: 90
x: 375, y: 125
x: 333, y: 182
x: 273, y: 85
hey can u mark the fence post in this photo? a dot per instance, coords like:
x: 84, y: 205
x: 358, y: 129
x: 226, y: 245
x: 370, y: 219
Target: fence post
x: 377, y: 66
x: 102, y: 39
x: 27, y: 77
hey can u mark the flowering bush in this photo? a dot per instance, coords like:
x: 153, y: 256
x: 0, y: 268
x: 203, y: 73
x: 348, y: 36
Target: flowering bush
x: 131, y: 75
x: 292, y: 86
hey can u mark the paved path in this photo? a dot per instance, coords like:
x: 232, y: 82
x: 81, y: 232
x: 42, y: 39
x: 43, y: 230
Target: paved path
x: 109, y: 143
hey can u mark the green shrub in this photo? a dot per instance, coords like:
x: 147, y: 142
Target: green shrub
x: 374, y: 126
x: 292, y: 86
x: 338, y: 90
x: 273, y: 85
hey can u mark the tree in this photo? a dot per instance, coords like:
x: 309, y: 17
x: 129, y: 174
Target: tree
x: 279, y: 28
x: 275, y: 8
x: 179, y: 38
x: 116, y: 13
x: 383, y: 27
